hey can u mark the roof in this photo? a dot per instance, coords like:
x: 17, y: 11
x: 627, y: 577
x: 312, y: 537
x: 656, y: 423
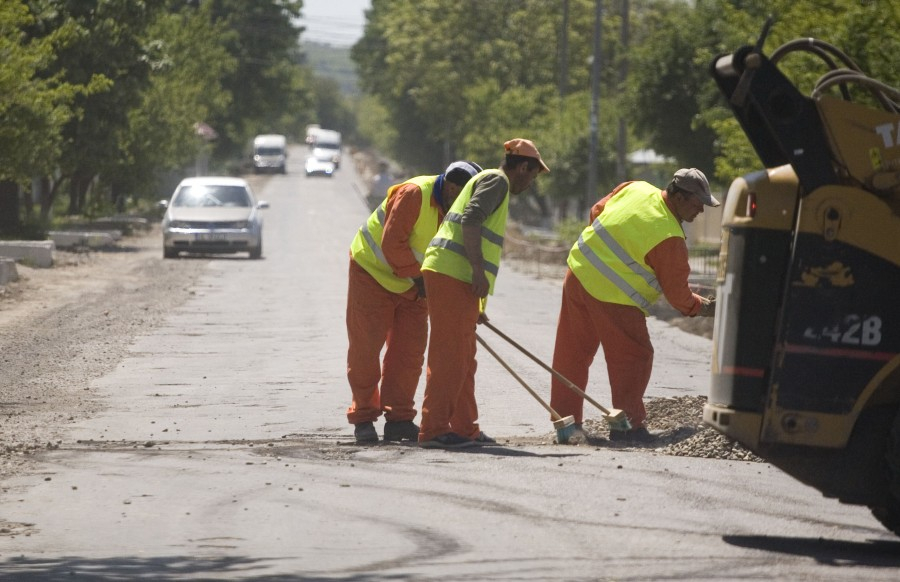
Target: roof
x: 648, y: 156
x: 214, y: 180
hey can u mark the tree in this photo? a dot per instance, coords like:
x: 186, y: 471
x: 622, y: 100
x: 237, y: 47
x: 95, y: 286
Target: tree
x: 268, y: 88
x: 105, y: 45
x: 187, y: 64
x: 35, y: 103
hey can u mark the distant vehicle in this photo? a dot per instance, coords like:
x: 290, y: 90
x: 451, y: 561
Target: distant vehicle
x: 327, y: 146
x: 211, y: 215
x: 311, y: 131
x: 270, y: 153
x: 317, y: 167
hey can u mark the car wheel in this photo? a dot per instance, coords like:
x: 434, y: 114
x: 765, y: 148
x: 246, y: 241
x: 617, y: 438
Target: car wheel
x: 169, y: 253
x: 256, y: 252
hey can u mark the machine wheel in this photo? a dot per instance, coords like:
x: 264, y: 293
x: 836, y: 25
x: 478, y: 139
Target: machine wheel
x: 170, y: 253
x: 256, y: 252
x: 889, y: 515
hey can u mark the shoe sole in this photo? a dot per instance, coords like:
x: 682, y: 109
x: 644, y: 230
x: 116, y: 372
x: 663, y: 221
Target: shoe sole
x: 485, y: 443
x: 398, y: 439
x: 437, y: 445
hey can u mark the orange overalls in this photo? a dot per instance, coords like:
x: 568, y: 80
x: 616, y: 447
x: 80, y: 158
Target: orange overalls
x: 451, y: 408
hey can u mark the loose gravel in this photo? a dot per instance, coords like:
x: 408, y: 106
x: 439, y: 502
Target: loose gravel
x: 679, y: 422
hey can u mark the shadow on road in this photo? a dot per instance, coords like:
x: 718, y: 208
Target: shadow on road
x: 160, y: 569
x: 877, y: 554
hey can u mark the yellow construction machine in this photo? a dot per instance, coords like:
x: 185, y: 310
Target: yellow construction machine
x: 806, y: 347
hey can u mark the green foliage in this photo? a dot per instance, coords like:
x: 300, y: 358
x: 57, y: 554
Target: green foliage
x: 333, y: 63
x: 106, y: 96
x: 187, y: 65
x: 114, y: 88
x: 269, y: 91
x: 332, y: 109
x: 35, y: 102
x: 501, y: 72
x: 570, y: 229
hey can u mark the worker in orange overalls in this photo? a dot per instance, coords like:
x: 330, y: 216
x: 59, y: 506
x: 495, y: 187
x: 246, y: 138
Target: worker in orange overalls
x: 460, y: 268
x: 386, y: 302
x: 633, y: 251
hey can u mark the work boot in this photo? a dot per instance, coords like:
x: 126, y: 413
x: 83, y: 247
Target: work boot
x: 365, y: 433
x: 571, y: 435
x: 634, y: 435
x: 401, y: 430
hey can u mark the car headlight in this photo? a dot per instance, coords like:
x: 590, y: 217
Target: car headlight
x: 242, y: 224
x: 179, y: 224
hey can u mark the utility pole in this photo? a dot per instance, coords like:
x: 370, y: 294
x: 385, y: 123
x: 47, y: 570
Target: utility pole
x: 591, y: 194
x: 564, y: 52
x: 622, y: 141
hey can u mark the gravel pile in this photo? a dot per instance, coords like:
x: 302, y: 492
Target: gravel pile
x: 683, y: 431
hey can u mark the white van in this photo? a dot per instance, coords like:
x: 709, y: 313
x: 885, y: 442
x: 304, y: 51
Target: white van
x: 326, y: 146
x: 269, y: 153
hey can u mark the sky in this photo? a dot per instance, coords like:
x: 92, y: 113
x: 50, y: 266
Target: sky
x: 335, y: 22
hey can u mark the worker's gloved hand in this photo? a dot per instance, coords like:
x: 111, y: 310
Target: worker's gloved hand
x: 420, y: 286
x: 707, y: 307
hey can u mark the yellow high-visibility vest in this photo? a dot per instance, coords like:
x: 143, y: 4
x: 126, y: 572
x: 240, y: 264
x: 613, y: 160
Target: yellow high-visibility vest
x: 609, y: 256
x: 366, y: 246
x: 447, y: 254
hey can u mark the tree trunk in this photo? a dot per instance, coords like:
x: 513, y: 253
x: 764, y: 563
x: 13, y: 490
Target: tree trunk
x: 48, y: 195
x: 9, y: 208
x: 77, y: 194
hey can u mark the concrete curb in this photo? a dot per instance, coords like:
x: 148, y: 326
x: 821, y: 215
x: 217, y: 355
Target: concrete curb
x: 38, y: 253
x: 77, y: 238
x: 8, y: 272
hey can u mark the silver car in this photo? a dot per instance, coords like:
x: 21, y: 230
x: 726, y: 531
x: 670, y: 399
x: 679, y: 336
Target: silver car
x: 212, y: 215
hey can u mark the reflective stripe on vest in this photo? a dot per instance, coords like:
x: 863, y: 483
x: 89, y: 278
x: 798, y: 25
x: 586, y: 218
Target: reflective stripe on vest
x: 376, y: 245
x: 447, y: 252
x: 366, y: 246
x: 606, y: 268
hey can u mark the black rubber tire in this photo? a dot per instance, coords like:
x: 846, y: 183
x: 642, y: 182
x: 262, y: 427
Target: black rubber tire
x: 170, y: 253
x: 889, y: 515
x: 256, y: 252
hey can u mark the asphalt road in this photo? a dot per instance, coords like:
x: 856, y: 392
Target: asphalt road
x: 222, y: 452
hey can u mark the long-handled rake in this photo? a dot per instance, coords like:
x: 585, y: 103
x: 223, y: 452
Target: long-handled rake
x: 565, y: 426
x: 617, y: 419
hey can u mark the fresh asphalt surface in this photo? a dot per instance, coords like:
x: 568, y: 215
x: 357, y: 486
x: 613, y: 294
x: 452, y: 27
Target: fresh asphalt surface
x: 224, y: 453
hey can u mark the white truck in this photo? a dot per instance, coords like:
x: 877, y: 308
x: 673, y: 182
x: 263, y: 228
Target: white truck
x: 270, y: 153
x: 326, y: 146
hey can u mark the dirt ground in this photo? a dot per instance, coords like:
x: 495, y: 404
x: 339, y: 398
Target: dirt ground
x: 63, y: 326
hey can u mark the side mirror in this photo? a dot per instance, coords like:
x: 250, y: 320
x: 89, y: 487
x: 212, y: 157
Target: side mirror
x: 163, y: 204
x: 262, y: 204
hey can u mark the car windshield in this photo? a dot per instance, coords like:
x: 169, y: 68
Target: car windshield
x: 269, y: 151
x: 211, y: 195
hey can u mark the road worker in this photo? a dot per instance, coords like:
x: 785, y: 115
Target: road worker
x: 386, y: 302
x: 633, y: 251
x: 460, y: 268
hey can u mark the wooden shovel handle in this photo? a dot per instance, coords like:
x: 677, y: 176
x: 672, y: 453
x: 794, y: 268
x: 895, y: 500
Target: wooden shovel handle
x: 556, y: 374
x: 552, y: 412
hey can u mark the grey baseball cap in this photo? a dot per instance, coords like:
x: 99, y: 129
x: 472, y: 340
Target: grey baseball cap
x: 694, y: 181
x: 461, y: 171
